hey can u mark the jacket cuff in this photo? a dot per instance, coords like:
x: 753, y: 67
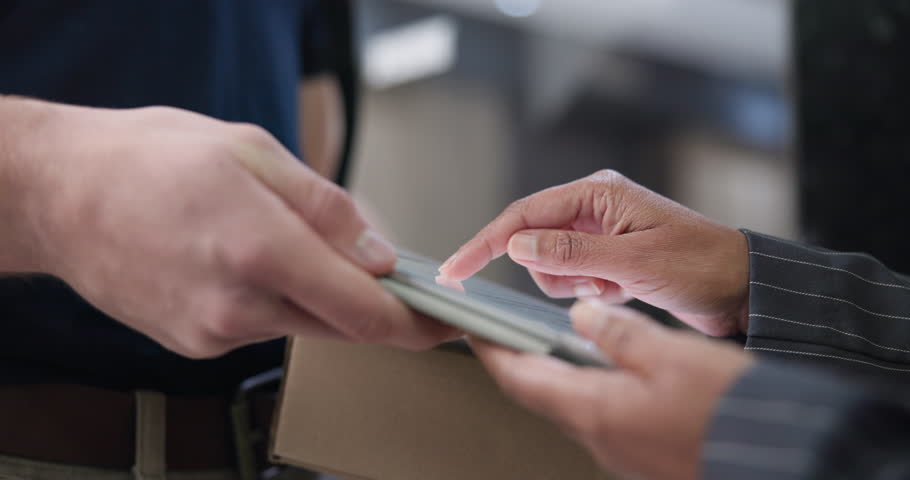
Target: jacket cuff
x: 826, y: 308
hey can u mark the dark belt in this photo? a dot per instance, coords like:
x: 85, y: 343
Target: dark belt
x: 94, y: 427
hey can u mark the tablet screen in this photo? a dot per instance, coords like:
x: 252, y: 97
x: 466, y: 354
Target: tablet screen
x: 422, y: 272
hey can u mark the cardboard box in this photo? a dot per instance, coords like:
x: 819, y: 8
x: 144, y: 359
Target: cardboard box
x: 377, y: 413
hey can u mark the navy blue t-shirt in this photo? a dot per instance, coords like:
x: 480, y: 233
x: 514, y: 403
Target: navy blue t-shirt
x: 237, y: 60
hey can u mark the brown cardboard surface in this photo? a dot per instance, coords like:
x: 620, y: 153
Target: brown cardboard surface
x: 378, y: 413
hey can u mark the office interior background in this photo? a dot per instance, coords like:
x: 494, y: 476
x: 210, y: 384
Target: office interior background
x: 468, y: 105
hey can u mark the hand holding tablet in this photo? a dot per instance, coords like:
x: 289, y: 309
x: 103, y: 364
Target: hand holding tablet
x: 492, y: 312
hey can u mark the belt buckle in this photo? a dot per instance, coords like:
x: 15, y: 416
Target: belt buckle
x: 246, y: 436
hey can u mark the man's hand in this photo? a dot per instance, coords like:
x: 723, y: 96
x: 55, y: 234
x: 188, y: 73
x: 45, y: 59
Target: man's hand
x: 606, y: 236
x: 207, y: 235
x: 648, y: 416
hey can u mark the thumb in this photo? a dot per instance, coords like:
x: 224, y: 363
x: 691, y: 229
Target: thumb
x: 325, y: 207
x: 332, y: 213
x: 571, y: 253
x: 627, y: 337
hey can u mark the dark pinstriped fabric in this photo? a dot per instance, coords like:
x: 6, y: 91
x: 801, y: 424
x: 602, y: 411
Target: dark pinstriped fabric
x: 828, y: 400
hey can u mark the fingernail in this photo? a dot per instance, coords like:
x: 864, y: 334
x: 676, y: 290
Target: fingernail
x: 523, y: 246
x: 448, y: 263
x: 587, y: 289
x: 449, y: 283
x: 374, y: 250
x: 589, y: 317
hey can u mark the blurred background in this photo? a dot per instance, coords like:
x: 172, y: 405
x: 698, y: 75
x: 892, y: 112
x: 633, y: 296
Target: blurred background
x: 470, y: 104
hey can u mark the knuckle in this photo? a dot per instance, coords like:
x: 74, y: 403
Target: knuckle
x: 605, y: 190
x: 544, y: 282
x: 168, y: 112
x: 608, y: 176
x: 159, y: 111
x: 553, y: 287
x: 254, y: 134
x: 224, y: 319
x: 332, y: 200
x: 618, y: 338
x: 647, y: 285
x: 371, y: 330
x: 157, y: 116
x: 203, y: 352
x: 518, y: 206
x: 566, y: 249
x: 248, y: 260
x: 328, y: 203
x: 227, y: 319
x: 517, y: 209
x: 201, y: 346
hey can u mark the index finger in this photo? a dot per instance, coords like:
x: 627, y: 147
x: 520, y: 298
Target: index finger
x: 554, y: 207
x: 288, y: 258
x: 325, y: 207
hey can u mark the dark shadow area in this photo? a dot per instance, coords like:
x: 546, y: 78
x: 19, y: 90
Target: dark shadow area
x: 851, y: 81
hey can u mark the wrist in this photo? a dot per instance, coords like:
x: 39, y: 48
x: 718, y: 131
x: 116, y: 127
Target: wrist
x: 737, y: 267
x: 744, y: 274
x: 26, y: 140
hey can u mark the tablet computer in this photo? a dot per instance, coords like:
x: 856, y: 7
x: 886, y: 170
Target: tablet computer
x: 490, y: 311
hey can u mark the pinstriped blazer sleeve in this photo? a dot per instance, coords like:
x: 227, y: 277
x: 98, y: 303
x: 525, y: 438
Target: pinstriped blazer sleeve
x: 787, y: 422
x: 846, y: 312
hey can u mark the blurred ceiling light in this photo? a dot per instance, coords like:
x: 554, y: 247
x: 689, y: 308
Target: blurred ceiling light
x: 518, y: 8
x: 412, y: 52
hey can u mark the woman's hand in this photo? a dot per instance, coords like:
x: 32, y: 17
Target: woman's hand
x: 647, y: 417
x: 607, y: 236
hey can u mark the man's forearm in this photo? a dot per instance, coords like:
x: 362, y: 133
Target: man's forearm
x: 24, y: 143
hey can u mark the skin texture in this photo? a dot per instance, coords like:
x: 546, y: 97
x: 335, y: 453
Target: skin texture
x: 646, y: 418
x: 321, y: 123
x: 202, y: 234
x: 608, y: 239
x: 606, y: 236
